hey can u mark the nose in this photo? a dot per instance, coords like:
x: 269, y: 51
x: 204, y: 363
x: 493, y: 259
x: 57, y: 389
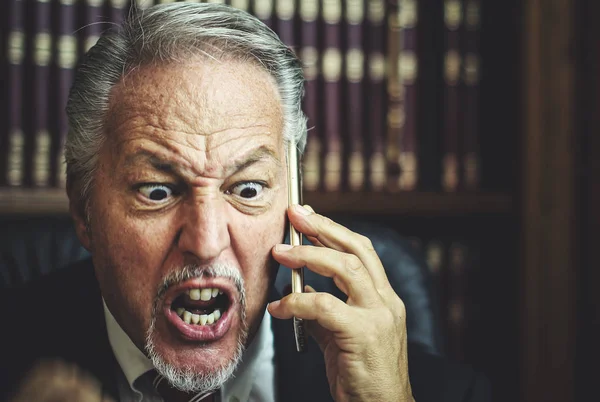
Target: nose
x: 204, y: 231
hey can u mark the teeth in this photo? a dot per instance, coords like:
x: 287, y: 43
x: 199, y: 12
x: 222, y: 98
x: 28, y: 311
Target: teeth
x: 199, y: 319
x: 187, y: 317
x: 203, y: 294
x: 180, y: 311
x: 206, y: 294
x: 195, y: 294
x: 195, y: 318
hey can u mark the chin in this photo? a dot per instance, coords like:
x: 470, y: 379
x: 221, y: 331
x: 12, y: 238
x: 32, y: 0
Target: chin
x: 193, y: 366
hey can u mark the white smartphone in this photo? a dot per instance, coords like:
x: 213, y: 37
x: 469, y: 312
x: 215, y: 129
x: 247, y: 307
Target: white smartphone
x: 295, y: 197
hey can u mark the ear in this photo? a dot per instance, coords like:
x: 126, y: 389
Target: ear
x: 77, y: 208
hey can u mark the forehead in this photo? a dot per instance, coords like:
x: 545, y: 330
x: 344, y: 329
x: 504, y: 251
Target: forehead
x: 205, y: 106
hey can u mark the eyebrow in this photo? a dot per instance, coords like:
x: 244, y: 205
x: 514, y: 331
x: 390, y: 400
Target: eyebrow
x: 263, y: 153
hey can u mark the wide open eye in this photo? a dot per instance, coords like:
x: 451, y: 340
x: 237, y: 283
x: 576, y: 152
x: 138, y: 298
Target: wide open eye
x: 156, y: 192
x: 248, y: 190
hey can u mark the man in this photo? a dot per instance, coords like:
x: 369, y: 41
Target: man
x: 176, y: 165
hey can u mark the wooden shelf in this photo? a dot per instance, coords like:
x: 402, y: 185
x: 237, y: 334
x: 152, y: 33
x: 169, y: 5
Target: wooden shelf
x: 410, y: 203
x: 54, y: 201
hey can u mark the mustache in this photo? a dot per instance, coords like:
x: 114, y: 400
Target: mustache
x: 194, y: 271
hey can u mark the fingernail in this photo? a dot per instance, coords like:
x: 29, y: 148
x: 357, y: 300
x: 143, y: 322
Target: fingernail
x: 309, y: 208
x: 301, y: 210
x: 274, y: 304
x: 283, y: 247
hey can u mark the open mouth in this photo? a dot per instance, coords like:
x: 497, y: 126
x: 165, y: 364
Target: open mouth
x: 201, y: 306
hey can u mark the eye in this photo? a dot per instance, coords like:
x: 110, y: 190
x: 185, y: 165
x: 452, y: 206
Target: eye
x: 156, y: 192
x: 247, y: 190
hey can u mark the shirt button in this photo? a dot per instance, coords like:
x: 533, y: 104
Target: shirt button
x: 234, y: 399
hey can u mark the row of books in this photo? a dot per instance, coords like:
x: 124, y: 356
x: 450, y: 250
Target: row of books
x: 454, y: 266
x: 391, y: 87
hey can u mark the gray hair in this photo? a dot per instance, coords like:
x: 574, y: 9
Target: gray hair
x: 171, y: 33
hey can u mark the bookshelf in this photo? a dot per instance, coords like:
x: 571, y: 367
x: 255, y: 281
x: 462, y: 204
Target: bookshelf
x: 525, y: 210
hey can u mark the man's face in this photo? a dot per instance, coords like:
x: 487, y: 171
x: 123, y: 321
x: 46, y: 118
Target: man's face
x: 192, y: 174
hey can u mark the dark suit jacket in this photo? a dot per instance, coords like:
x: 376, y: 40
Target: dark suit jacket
x: 62, y: 316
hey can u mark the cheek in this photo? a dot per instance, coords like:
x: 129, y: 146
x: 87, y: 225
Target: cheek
x: 255, y: 239
x: 128, y: 256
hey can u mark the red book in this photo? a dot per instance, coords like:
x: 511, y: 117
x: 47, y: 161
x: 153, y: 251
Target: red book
x: 375, y: 93
x: 395, y: 93
x: 457, y: 299
x: 63, y: 71
x: 13, y: 160
x: 452, y: 106
x: 471, y: 73
x: 285, y: 13
x: 37, y: 94
x: 332, y: 65
x: 263, y: 9
x: 116, y: 10
x: 309, y: 54
x: 408, y: 65
x: 354, y: 76
x: 240, y: 4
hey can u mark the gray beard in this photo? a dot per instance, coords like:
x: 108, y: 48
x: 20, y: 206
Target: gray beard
x: 186, y: 378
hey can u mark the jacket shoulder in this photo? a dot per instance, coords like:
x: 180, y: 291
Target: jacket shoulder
x: 58, y: 316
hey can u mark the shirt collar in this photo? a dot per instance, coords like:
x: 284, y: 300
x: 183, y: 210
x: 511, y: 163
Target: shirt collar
x: 134, y: 363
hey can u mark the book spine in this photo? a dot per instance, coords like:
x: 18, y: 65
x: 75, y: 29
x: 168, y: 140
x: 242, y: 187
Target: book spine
x: 376, y: 94
x: 457, y: 283
x: 332, y: 71
x: 42, y: 54
x: 471, y: 74
x: 240, y: 4
x: 395, y: 92
x: 285, y: 13
x: 309, y: 54
x: 92, y: 24
x: 452, y: 107
x: 435, y: 257
x: 65, y: 59
x: 116, y: 10
x: 354, y: 76
x: 14, y: 81
x: 430, y: 43
x: 263, y: 9
x: 408, y: 70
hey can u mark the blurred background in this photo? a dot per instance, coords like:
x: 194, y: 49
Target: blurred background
x: 466, y: 126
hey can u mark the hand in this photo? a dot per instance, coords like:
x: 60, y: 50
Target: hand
x: 364, y: 339
x: 57, y: 381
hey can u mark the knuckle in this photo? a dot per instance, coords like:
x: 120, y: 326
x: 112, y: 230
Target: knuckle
x: 323, y: 302
x: 352, y: 263
x: 366, y: 242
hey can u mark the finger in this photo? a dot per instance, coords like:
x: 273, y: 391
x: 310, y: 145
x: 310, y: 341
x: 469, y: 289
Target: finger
x: 347, y: 271
x: 330, y: 312
x: 333, y: 235
x: 314, y: 241
x: 314, y: 329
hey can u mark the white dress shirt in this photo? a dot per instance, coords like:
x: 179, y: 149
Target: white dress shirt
x: 253, y: 380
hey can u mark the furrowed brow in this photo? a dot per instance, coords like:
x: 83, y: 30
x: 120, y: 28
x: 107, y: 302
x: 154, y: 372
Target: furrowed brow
x: 261, y: 154
x: 158, y: 163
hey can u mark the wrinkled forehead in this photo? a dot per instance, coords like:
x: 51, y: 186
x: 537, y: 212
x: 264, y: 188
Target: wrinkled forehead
x: 201, y: 96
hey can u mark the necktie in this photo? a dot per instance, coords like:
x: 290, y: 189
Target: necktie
x: 170, y: 394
